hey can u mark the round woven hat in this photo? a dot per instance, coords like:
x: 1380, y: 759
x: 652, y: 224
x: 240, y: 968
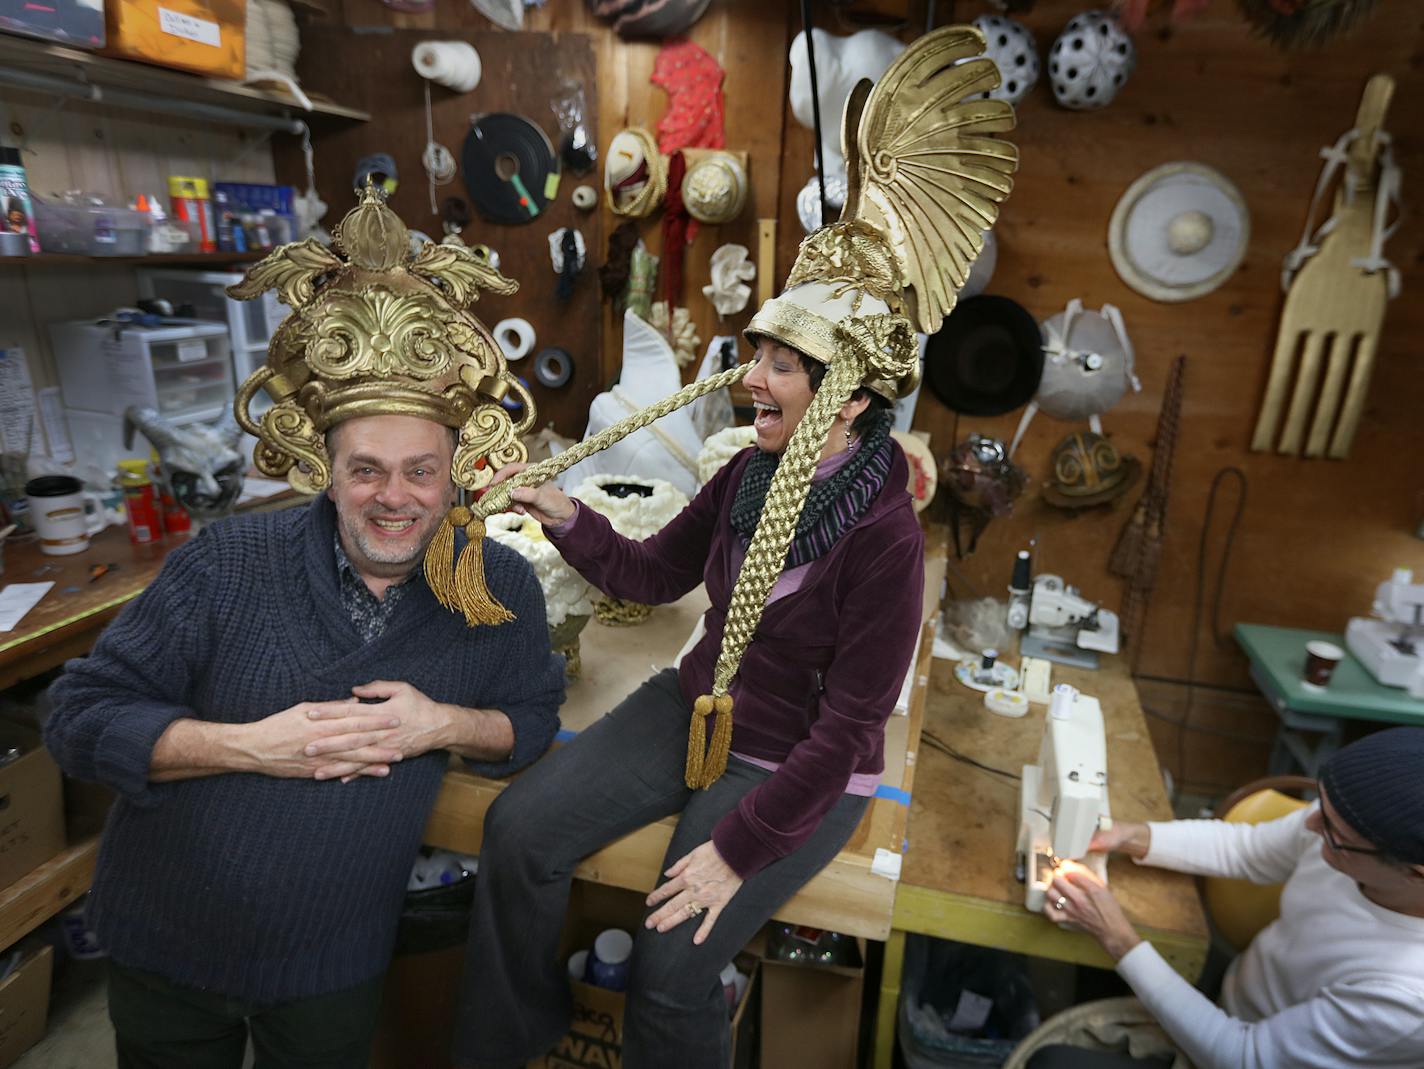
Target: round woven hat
x: 1179, y: 232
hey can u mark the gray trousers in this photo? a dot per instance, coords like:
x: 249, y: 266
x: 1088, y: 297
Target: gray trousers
x: 622, y: 773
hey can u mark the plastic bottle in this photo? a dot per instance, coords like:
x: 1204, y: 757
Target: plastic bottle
x: 191, y: 206
x: 140, y: 502
x: 17, y: 214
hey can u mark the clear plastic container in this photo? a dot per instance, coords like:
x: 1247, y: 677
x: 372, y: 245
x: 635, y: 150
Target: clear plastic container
x: 84, y: 226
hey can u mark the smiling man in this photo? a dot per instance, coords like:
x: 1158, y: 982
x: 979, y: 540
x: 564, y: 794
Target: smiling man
x: 1338, y: 979
x: 277, y: 710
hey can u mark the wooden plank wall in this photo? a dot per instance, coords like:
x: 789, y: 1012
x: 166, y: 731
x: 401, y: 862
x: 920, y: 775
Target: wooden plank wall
x: 1315, y: 536
x: 116, y: 153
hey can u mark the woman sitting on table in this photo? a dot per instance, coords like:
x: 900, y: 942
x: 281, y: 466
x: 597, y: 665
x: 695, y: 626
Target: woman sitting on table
x: 1337, y: 980
x: 815, y: 613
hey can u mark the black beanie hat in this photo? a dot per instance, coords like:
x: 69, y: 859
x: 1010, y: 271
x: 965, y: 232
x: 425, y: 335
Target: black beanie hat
x: 1377, y: 787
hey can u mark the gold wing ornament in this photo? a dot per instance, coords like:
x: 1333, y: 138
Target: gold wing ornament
x: 925, y: 168
x: 460, y: 272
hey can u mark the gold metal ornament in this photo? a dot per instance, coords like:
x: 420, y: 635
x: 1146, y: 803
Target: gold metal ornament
x: 379, y: 332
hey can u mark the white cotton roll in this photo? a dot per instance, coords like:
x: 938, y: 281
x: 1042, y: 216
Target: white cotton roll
x: 453, y: 64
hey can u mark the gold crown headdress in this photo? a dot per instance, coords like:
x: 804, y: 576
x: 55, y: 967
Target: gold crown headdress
x: 384, y: 332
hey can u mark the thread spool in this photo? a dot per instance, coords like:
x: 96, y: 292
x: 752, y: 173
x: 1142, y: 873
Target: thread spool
x: 515, y: 337
x: 453, y: 64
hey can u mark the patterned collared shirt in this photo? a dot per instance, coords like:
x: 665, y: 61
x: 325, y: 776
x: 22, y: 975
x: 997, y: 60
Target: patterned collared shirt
x: 368, y: 612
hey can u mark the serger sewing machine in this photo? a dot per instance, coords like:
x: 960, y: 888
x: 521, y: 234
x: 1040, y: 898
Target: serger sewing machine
x: 1391, y: 645
x: 1063, y: 625
x: 1064, y: 797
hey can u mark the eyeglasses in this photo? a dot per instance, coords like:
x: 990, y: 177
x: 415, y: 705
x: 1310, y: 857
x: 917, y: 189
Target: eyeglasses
x: 1332, y: 837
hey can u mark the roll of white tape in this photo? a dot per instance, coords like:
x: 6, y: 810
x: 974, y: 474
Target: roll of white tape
x: 515, y: 337
x: 1006, y: 702
x: 453, y: 64
x: 585, y: 198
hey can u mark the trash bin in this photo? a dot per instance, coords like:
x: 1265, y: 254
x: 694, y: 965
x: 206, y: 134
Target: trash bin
x: 962, y: 1007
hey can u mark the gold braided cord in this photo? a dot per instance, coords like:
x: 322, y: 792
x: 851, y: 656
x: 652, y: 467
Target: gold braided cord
x: 766, y: 555
x: 463, y: 587
x: 497, y: 498
x: 647, y: 199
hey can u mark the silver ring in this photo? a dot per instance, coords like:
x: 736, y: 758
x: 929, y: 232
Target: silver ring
x: 1060, y: 903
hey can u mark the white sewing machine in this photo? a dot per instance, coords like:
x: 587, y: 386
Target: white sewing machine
x: 1064, y: 797
x: 1391, y: 645
x: 1063, y: 625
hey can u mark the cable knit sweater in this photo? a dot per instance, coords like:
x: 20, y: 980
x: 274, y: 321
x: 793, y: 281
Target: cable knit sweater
x: 256, y: 887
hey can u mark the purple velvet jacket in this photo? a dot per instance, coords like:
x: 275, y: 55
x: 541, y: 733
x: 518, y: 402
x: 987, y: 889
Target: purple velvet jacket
x: 823, y: 672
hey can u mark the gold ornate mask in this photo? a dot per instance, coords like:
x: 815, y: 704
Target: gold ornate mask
x: 379, y: 332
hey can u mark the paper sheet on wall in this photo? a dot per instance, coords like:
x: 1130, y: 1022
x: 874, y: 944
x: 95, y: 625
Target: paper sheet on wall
x: 16, y: 599
x: 56, y: 427
x: 17, y: 404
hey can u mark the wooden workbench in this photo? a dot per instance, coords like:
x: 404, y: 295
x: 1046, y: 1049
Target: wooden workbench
x: 958, y: 879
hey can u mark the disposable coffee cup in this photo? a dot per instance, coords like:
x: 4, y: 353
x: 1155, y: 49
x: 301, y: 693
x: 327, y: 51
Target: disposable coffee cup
x: 1320, y: 661
x: 578, y: 965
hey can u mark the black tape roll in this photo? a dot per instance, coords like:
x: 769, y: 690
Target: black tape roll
x: 500, y: 199
x: 553, y: 367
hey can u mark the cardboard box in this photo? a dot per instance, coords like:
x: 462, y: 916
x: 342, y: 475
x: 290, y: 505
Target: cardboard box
x: 24, y: 1004
x: 202, y: 36
x: 810, y: 1015
x: 595, y: 1036
x: 31, y: 809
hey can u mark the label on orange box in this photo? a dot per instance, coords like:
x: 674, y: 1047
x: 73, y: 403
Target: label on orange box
x: 186, y: 26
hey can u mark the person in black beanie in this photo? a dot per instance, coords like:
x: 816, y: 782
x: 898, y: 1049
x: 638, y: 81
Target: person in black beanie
x: 1338, y: 978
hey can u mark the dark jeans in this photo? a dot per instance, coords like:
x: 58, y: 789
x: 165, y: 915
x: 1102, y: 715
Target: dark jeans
x: 622, y: 773
x: 159, y: 1025
x: 1064, y: 1057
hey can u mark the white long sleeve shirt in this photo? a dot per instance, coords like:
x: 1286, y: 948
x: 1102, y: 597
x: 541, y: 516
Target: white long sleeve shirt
x: 1335, y: 982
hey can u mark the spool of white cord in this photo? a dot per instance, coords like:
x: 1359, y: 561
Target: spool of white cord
x: 515, y: 337
x: 453, y: 64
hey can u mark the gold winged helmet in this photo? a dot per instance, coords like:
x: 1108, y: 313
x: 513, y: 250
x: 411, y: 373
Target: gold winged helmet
x: 378, y: 331
x: 927, y: 176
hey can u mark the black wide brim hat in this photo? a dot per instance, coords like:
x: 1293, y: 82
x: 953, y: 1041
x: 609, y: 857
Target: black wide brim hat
x: 987, y: 359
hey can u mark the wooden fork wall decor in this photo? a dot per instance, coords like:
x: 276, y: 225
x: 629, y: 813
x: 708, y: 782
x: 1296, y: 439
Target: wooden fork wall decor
x: 1335, y: 305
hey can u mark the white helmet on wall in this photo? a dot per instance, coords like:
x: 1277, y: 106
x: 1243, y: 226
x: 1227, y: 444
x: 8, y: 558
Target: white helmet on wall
x: 1010, y: 45
x: 1090, y: 61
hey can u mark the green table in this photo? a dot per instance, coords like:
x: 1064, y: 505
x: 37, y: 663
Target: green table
x: 1312, y: 718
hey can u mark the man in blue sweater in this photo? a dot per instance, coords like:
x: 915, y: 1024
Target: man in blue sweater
x: 275, y: 712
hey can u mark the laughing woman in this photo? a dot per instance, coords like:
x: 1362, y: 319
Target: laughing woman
x: 813, y: 563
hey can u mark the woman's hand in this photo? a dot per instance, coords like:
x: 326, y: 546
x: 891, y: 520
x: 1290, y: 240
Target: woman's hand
x: 1124, y: 837
x: 548, y: 504
x: 1077, y: 896
x: 701, y: 882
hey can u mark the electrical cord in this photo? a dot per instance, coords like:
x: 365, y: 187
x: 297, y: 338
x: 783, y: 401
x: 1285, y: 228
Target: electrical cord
x: 936, y: 743
x: 1184, y: 723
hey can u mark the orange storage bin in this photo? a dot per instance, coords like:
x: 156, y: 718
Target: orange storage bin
x: 203, y: 36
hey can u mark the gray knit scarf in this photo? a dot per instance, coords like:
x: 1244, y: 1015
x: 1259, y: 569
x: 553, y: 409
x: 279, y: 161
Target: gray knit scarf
x: 832, y: 505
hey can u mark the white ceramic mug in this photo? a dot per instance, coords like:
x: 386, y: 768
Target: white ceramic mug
x: 63, y: 513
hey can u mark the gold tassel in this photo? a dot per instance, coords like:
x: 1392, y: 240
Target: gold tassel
x: 440, y: 557
x: 715, y: 763
x: 472, y: 594
x: 697, y: 741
